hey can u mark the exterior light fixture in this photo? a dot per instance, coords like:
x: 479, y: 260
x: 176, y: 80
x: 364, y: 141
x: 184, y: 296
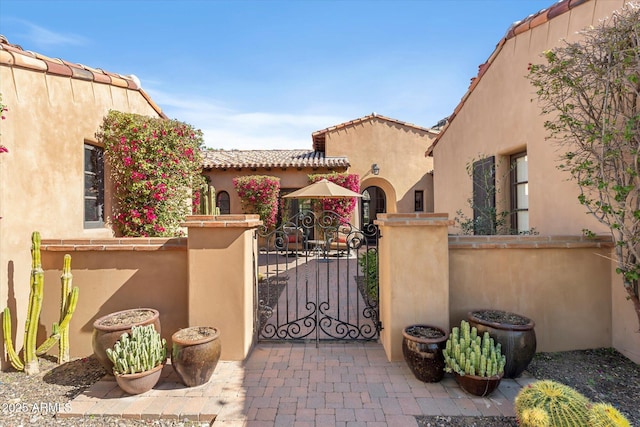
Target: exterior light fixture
x: 375, y: 169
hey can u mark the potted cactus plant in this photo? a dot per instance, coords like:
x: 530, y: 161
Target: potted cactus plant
x: 109, y: 328
x: 476, y: 362
x: 138, y: 358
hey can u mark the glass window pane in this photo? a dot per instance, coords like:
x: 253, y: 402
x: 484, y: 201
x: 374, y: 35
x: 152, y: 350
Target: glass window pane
x: 522, y: 196
x: 522, y: 172
x: 523, y: 221
x: 91, y: 211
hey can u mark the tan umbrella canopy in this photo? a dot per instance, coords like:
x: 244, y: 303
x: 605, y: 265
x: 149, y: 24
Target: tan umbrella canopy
x: 322, y: 189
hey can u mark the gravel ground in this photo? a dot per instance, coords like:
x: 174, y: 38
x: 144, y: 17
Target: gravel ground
x: 601, y: 375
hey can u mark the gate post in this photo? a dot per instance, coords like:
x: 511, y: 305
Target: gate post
x: 220, y: 279
x: 413, y: 256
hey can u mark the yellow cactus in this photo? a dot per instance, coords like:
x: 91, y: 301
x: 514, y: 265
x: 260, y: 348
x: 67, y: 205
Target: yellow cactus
x: 605, y: 415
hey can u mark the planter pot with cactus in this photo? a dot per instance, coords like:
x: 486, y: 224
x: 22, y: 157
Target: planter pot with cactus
x: 422, y: 350
x: 108, y: 329
x: 513, y: 331
x: 138, y: 358
x: 476, y: 362
x: 195, y: 353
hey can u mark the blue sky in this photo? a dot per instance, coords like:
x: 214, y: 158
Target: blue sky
x: 266, y: 74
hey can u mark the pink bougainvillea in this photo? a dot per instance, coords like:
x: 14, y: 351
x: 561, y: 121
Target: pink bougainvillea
x: 154, y: 165
x: 259, y: 194
x: 343, y: 207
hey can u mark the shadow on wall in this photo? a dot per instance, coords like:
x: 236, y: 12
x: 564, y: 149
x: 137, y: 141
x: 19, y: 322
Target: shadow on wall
x: 116, y: 280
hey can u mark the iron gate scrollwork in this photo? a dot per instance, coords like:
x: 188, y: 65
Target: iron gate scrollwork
x: 317, y: 280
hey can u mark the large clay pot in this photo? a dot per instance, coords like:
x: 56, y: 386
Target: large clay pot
x: 478, y: 386
x: 514, y: 332
x: 422, y: 350
x: 140, y: 382
x: 195, y: 352
x: 108, y: 329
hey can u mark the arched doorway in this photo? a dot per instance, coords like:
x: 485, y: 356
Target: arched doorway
x: 373, y: 202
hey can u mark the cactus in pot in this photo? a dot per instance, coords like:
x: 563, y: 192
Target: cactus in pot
x: 477, y: 362
x: 138, y: 358
x: 466, y: 353
x: 140, y: 351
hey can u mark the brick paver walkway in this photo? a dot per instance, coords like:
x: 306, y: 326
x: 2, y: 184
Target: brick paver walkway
x: 291, y: 384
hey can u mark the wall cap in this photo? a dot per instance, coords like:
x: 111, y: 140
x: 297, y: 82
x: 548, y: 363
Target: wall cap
x: 413, y: 219
x: 115, y: 244
x: 222, y: 221
x: 529, y: 242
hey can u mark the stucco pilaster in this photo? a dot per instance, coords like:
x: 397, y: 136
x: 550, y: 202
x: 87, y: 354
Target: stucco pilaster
x: 220, y: 280
x: 414, y: 275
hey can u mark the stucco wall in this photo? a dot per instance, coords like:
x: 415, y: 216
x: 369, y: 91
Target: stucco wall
x: 290, y: 178
x: 49, y: 119
x: 499, y: 118
x: 114, y: 275
x: 562, y: 283
x: 397, y: 150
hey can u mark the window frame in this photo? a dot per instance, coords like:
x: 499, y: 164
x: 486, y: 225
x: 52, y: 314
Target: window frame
x: 99, y: 172
x: 219, y: 195
x: 418, y: 200
x: 513, y: 188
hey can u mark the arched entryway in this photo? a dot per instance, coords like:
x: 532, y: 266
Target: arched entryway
x: 373, y: 202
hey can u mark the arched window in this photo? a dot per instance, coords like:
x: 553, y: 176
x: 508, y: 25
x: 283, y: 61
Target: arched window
x: 222, y: 201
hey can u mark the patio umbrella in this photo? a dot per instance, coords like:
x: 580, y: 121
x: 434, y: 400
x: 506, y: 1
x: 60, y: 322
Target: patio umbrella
x: 322, y: 189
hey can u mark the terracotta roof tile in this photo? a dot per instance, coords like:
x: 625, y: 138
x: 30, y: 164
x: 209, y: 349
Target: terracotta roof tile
x: 233, y: 159
x: 516, y: 28
x: 15, y: 56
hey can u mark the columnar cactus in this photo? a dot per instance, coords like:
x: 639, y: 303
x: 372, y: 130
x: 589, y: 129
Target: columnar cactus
x: 208, y: 201
x: 69, y: 302
x: 565, y: 406
x: 139, y: 351
x: 466, y: 353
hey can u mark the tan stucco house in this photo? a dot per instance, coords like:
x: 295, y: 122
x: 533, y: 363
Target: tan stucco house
x: 499, y: 121
x: 51, y: 176
x: 386, y: 154
x: 497, y: 118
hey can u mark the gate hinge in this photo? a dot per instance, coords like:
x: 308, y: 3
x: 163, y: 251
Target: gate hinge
x: 380, y: 326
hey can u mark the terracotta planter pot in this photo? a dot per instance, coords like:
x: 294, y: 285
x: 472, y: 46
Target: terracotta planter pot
x: 108, y: 329
x: 478, y: 386
x: 195, y: 353
x: 516, y: 335
x: 422, y: 350
x: 140, y: 382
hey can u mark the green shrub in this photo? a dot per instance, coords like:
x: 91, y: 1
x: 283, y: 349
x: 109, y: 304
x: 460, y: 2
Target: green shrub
x: 368, y: 263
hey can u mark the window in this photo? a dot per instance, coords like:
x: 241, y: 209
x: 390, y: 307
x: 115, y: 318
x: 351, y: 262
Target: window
x: 93, y: 186
x: 519, y: 192
x: 419, y: 200
x: 222, y: 202
x: 484, y: 196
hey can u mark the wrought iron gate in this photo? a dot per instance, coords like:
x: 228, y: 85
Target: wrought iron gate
x: 317, y: 280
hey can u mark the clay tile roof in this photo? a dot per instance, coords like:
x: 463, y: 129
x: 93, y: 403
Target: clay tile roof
x: 232, y: 159
x: 13, y: 55
x: 320, y: 135
x: 515, y: 29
